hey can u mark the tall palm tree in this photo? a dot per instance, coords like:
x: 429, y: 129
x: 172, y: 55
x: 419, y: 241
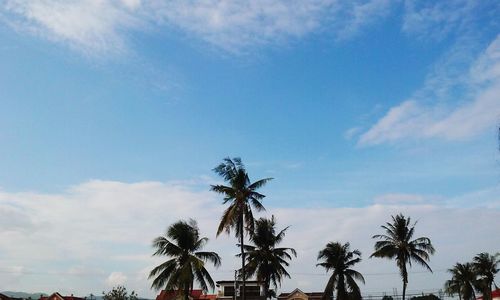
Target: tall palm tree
x: 183, y: 245
x: 340, y: 259
x: 264, y: 259
x: 241, y: 195
x: 397, y: 244
x: 462, y: 282
x: 486, y: 267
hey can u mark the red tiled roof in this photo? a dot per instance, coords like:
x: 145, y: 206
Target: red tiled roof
x: 494, y: 294
x: 57, y: 296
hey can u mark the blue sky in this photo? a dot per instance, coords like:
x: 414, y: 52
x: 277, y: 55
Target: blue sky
x: 359, y: 104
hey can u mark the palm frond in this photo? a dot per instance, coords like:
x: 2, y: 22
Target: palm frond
x: 212, y: 257
x: 259, y: 183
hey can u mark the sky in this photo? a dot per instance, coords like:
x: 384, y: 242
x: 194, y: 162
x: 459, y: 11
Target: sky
x: 114, y: 113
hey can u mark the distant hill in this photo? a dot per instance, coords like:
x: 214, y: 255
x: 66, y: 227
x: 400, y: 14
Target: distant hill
x: 36, y: 296
x: 23, y: 295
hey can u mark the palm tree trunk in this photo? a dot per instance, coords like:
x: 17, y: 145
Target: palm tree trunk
x: 341, y: 292
x: 243, y: 273
x: 404, y: 274
x: 186, y: 291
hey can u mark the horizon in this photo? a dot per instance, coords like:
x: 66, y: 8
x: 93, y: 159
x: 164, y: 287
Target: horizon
x: 114, y: 114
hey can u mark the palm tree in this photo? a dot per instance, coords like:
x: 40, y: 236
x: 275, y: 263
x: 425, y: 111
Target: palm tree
x: 241, y: 195
x: 182, y: 244
x: 485, y: 267
x: 340, y: 259
x: 263, y: 258
x: 462, y: 282
x: 397, y: 244
x: 452, y: 287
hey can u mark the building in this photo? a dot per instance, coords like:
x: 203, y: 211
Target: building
x: 57, y: 296
x: 177, y: 295
x: 254, y: 290
x: 297, y: 294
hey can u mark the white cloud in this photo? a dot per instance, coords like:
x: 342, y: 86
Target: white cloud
x: 437, y: 19
x: 362, y: 14
x: 351, y: 132
x: 97, y: 234
x: 395, y: 198
x: 101, y: 26
x: 116, y: 278
x: 90, y: 26
x: 428, y: 115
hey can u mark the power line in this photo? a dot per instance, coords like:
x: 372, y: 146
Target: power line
x: 364, y: 274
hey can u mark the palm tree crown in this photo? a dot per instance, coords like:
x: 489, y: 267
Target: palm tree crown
x: 263, y: 259
x: 182, y: 243
x: 242, y: 195
x: 485, y: 266
x: 339, y: 259
x: 462, y: 282
x: 397, y: 244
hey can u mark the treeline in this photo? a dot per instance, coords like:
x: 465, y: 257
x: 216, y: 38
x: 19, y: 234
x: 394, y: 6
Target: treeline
x: 267, y: 262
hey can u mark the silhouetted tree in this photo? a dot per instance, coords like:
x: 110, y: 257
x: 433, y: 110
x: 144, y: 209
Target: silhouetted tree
x: 462, y: 282
x: 119, y: 293
x: 397, y: 244
x: 242, y: 195
x: 182, y: 244
x: 485, y: 267
x: 339, y: 259
x: 264, y: 259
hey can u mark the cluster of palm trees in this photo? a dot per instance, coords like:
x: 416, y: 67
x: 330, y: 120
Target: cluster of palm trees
x: 395, y: 243
x: 262, y: 258
x: 469, y: 277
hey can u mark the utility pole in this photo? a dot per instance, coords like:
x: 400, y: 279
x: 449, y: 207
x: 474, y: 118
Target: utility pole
x: 235, y: 284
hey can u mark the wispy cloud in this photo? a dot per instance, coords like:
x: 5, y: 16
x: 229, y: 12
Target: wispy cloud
x: 435, y: 112
x: 98, y: 27
x: 90, y: 26
x: 401, y: 199
x: 436, y: 19
x: 362, y: 14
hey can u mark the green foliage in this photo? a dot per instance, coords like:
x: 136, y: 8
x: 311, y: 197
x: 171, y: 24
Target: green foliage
x: 426, y: 297
x: 183, y: 245
x: 119, y: 293
x: 485, y: 267
x: 462, y: 282
x: 397, y: 244
x: 264, y: 259
x: 478, y: 275
x: 339, y: 259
